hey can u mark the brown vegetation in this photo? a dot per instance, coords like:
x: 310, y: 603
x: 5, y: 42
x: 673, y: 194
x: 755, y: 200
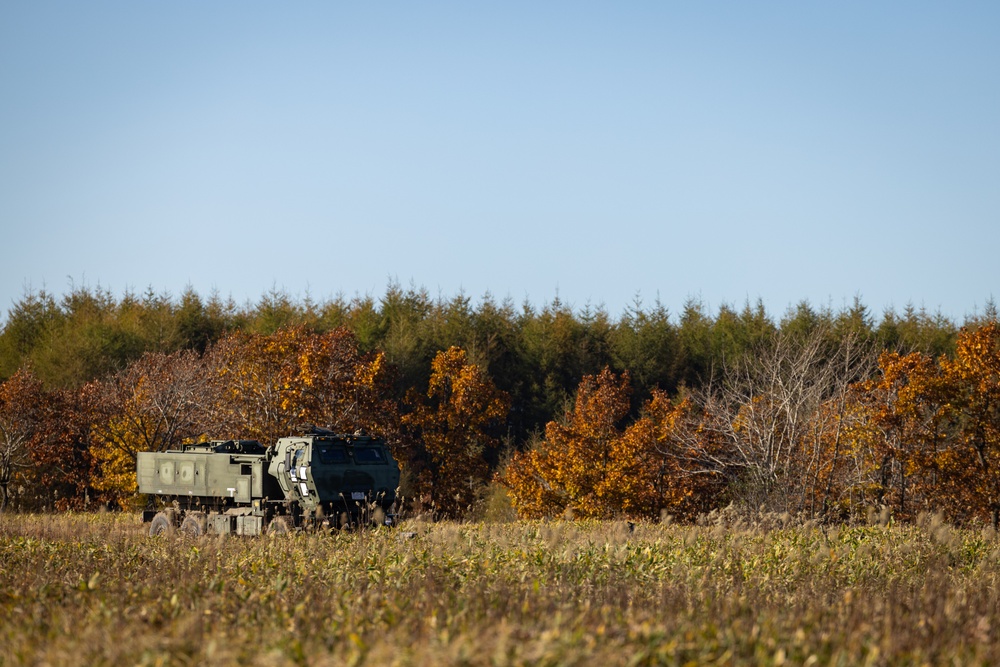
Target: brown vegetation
x: 95, y: 590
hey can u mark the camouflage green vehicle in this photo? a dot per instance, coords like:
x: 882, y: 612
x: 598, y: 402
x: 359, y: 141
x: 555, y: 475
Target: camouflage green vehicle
x: 316, y: 480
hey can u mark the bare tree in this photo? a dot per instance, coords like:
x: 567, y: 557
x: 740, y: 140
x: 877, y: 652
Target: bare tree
x: 768, y: 420
x: 21, y: 399
x: 156, y: 402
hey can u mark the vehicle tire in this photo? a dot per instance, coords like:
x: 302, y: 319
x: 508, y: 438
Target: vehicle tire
x: 162, y: 524
x: 193, y: 525
x: 279, y: 525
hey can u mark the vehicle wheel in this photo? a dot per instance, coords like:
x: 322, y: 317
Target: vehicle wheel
x: 162, y: 524
x: 279, y: 525
x: 193, y: 525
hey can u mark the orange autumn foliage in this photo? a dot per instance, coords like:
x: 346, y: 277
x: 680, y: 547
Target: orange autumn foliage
x: 454, y: 422
x: 590, y: 467
x: 269, y: 384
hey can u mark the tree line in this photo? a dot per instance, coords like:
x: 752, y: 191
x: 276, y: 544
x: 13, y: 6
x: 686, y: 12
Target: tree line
x: 661, y: 413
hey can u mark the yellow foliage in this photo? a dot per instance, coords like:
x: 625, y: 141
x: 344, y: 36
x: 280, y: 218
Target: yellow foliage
x: 115, y: 469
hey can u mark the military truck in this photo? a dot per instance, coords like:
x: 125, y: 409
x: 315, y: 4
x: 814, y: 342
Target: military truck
x: 315, y: 480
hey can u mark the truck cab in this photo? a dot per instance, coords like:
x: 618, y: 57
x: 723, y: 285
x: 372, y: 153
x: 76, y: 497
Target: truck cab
x: 335, y: 472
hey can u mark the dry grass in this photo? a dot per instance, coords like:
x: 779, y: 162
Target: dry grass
x: 95, y: 590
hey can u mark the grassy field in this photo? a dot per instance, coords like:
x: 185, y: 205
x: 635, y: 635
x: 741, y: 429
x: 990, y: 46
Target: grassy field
x: 95, y: 590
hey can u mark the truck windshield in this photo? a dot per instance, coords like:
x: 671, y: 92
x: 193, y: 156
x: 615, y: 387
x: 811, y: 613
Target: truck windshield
x: 332, y: 454
x: 368, y: 455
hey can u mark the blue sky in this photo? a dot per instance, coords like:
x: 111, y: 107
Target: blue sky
x: 723, y: 151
